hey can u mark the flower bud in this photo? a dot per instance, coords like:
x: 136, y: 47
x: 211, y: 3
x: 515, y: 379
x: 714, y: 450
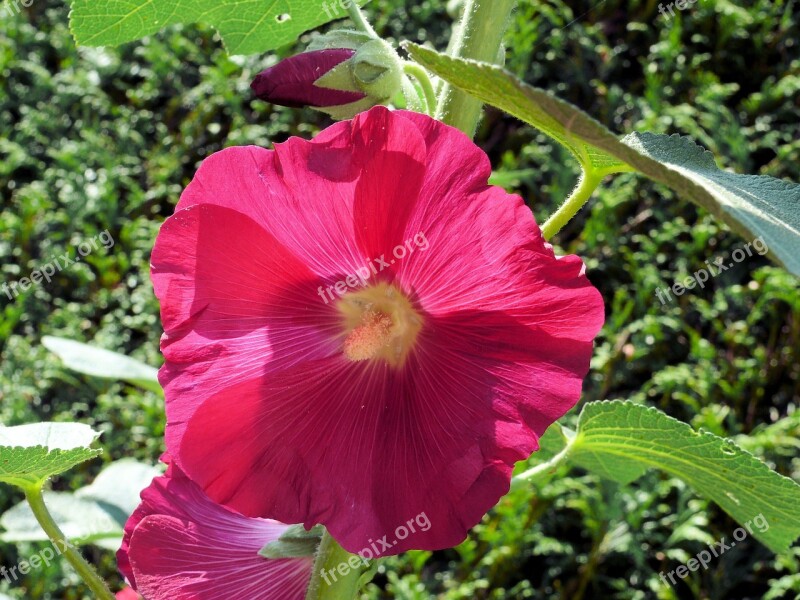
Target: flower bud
x: 291, y: 81
x: 341, y: 81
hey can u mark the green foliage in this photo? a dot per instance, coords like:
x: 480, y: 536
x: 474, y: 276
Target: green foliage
x: 246, y: 26
x: 32, y: 454
x: 755, y: 206
x: 579, y: 133
x: 620, y: 440
x: 97, y: 362
x: 94, y: 514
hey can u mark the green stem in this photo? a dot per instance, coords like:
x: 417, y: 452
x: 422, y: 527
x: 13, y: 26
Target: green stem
x: 359, y: 20
x: 421, y: 75
x: 586, y: 186
x: 541, y: 468
x: 333, y: 576
x: 83, y: 568
x: 477, y: 36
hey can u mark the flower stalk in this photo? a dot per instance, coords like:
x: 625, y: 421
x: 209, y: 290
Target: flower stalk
x: 586, y: 186
x: 34, y: 496
x: 334, y: 577
x: 478, y: 36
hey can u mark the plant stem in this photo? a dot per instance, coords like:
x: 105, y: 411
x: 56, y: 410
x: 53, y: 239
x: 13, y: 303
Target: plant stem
x: 586, y: 186
x: 477, y: 36
x: 421, y: 75
x: 327, y: 581
x: 34, y: 496
x: 542, y: 468
x: 359, y: 20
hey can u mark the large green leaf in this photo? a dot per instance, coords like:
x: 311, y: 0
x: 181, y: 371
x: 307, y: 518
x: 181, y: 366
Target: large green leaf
x: 621, y: 440
x: 31, y: 454
x: 94, y: 514
x: 246, y: 26
x: 105, y: 364
x: 82, y: 521
x: 754, y: 206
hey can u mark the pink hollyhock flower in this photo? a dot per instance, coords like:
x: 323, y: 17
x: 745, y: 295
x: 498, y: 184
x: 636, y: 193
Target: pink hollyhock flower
x: 359, y: 332
x: 127, y: 594
x: 179, y: 545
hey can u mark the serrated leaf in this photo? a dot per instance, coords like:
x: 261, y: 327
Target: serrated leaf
x: 246, y: 26
x: 104, y: 364
x: 94, y: 514
x: 621, y: 440
x: 31, y: 454
x: 753, y: 206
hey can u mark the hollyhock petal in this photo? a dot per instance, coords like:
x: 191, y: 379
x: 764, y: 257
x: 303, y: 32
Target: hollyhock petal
x: 179, y: 545
x: 291, y: 81
x: 223, y: 323
x: 443, y: 371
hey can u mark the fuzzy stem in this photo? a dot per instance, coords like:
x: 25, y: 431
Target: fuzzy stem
x: 359, y: 20
x: 327, y: 581
x: 586, y: 186
x: 34, y: 496
x: 421, y: 75
x: 477, y: 36
x: 550, y: 465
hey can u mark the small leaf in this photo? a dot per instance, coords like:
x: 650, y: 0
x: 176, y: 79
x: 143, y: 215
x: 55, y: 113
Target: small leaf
x: 31, y: 454
x: 246, y: 26
x: 295, y: 542
x: 621, y: 440
x: 753, y: 206
x: 105, y: 364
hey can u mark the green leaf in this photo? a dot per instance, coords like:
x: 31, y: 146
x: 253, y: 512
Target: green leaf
x: 95, y: 514
x: 621, y: 440
x: 31, y: 454
x: 103, y: 363
x: 246, y: 26
x: 753, y: 206
x: 82, y: 521
x: 295, y: 542
x: 491, y: 84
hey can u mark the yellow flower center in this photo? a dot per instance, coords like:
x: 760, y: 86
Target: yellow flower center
x: 379, y: 323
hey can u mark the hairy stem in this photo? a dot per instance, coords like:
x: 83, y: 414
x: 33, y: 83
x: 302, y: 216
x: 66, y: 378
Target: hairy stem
x: 586, y: 186
x: 421, y: 75
x: 62, y: 545
x: 333, y: 576
x: 477, y: 36
x: 359, y: 20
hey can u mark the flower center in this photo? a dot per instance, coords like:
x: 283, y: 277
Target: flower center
x: 379, y: 323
